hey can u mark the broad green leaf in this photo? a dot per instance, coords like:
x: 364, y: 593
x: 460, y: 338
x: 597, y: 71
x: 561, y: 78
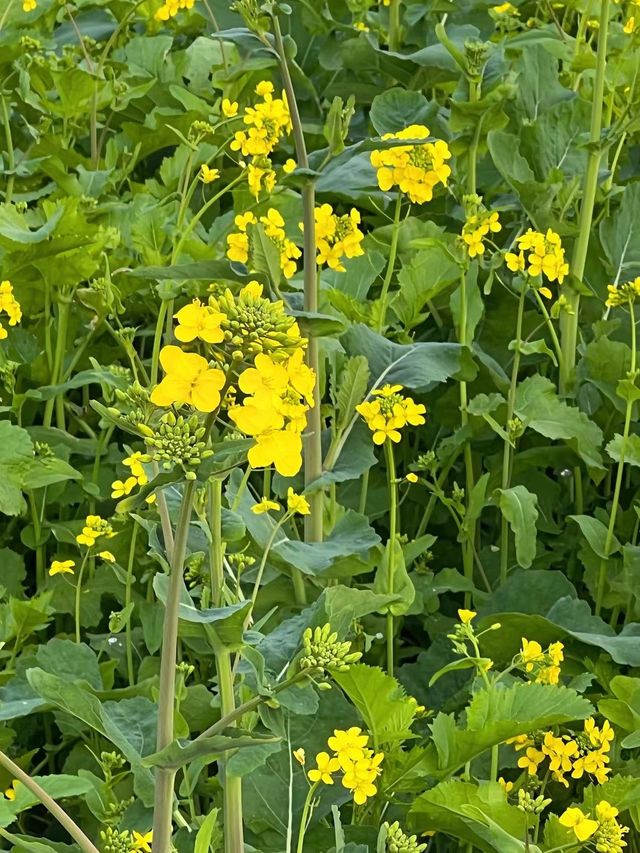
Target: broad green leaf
x: 426, y: 274
x: 596, y: 534
x: 386, y: 710
x: 395, y: 109
x: 59, y: 787
x: 209, y: 836
x: 392, y: 579
x: 16, y: 458
x: 620, y: 236
x: 630, y: 446
x: 180, y: 753
x: 519, y: 507
x: 351, y: 388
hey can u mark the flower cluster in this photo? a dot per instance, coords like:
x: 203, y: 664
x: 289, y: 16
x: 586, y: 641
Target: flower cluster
x: 605, y: 833
x: 170, y: 9
x: 10, y: 306
x: 545, y: 257
x: 398, y: 841
x: 198, y: 321
x: 541, y: 666
x: 580, y: 754
x: 623, y: 294
x: 267, y: 121
x: 296, y: 505
x: 94, y: 528
x: 188, y: 380
x: 124, y: 841
x: 238, y: 242
x: 178, y: 441
x: 137, y: 477
x: 274, y: 410
x: 253, y: 324
x: 321, y: 649
x: 479, y: 223
x: 389, y: 412
x: 415, y: 169
x: 359, y: 765
x: 337, y: 236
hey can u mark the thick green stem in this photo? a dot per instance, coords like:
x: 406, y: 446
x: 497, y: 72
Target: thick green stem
x: 569, y: 321
x: 78, y: 595
x: 163, y: 806
x: 393, y: 252
x: 394, y: 25
x: 472, y: 172
x: 233, y: 831
x: 306, y: 816
x: 470, y: 534
x: 157, y: 341
x: 64, y: 306
x: 216, y: 554
x: 127, y: 602
x: 506, y: 453
x: 49, y: 803
x: 393, y: 531
x: 602, y: 569
x: 11, y: 159
x: 313, y: 527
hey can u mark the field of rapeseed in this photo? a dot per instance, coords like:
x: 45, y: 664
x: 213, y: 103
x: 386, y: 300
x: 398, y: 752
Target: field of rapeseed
x: 319, y: 444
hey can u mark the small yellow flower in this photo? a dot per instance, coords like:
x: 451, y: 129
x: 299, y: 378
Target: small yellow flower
x: 29, y: 5
x: 142, y: 841
x: 196, y: 320
x: 188, y: 379
x: 289, y: 166
x: 265, y: 87
x: 207, y: 175
x: 107, y: 555
x: 507, y: 786
x: 11, y: 792
x: 120, y: 488
x: 229, y: 108
x: 531, y: 653
x: 582, y: 825
x: 326, y: 766
x: 531, y: 760
x: 297, y: 503
x: 61, y: 567
x: 299, y: 755
x: 265, y: 505
x: 411, y: 478
x: 466, y: 616
x: 348, y: 744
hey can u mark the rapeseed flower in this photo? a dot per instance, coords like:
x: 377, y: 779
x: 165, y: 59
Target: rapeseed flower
x: 238, y: 243
x: 94, y: 528
x: 199, y: 321
x: 325, y: 767
x: 349, y: 744
x: 208, y: 175
x: 389, y: 412
x: 360, y: 774
x: 545, y: 258
x: 229, y: 108
x: 297, y: 503
x: 142, y: 841
x: 170, y: 9
x: 188, y: 380
x: 623, y: 294
x: 10, y: 793
x: 265, y: 505
x: 609, y: 836
x: 337, y: 236
x: 268, y: 121
x: 479, y: 223
x: 135, y: 464
x: 415, y: 169
x: 10, y: 306
x: 543, y: 666
x: 581, y: 824
x: 61, y: 567
x: 120, y: 488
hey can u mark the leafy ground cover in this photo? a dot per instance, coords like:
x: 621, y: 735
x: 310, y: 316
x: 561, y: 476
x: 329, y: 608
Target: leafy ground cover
x: 318, y: 444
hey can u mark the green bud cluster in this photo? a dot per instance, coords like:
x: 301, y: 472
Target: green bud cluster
x: 254, y: 324
x: 43, y: 450
x: 398, y: 841
x: 241, y: 561
x: 476, y: 53
x: 116, y: 842
x: 178, y: 441
x: 427, y: 461
x: 323, y: 650
x: 199, y: 129
x: 194, y: 569
x: 531, y: 805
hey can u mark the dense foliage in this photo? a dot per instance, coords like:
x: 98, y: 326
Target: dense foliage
x: 318, y: 441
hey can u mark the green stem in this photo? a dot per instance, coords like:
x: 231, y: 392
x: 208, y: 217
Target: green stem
x: 472, y: 173
x: 569, y: 321
x: 306, y: 816
x: 163, y: 806
x: 470, y: 531
x: 198, y: 216
x: 393, y: 251
x: 394, y: 25
x: 11, y: 159
x: 393, y: 523
x: 233, y: 830
x: 313, y: 527
x: 64, y: 306
x: 79, y: 594
x: 216, y: 567
x: 157, y: 341
x: 554, y: 337
x: 506, y: 454
x: 40, y: 550
x: 49, y: 803
x: 602, y: 569
x: 127, y: 602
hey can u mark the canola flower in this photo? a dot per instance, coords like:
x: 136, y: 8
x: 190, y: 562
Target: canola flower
x: 229, y: 108
x: 415, y: 169
x: 10, y: 793
x: 479, y: 223
x: 170, y: 9
x: 188, y: 380
x: 61, y: 567
x: 142, y: 841
x: 623, y: 294
x: 208, y: 175
x: 389, y: 412
x: 29, y: 5
x: 265, y: 505
x: 350, y: 756
x: 239, y: 244
x: 543, y: 667
x: 604, y: 832
x: 198, y: 321
x: 10, y: 306
x: 337, y: 237
x: 94, y: 528
x: 539, y: 256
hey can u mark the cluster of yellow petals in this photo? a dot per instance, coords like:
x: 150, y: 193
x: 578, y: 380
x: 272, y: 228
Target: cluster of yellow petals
x: 208, y: 175
x: 605, y: 833
x: 545, y: 257
x: 137, y: 477
x: 274, y: 410
x: 170, y: 9
x: 389, y: 412
x: 583, y: 754
x: 199, y: 321
x: 189, y: 379
x: 359, y: 765
x: 10, y: 306
x: 296, y: 505
x: 542, y: 666
x: 273, y: 224
x: 477, y: 226
x: 623, y: 294
x: 29, y: 5
x: 61, y: 567
x: 94, y: 528
x: 415, y: 169
x: 337, y: 237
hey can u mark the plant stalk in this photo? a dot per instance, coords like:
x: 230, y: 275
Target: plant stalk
x: 393, y: 525
x: 393, y: 252
x: 469, y: 537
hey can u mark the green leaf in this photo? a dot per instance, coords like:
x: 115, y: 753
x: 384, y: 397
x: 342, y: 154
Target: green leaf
x: 209, y: 835
x: 381, y: 702
x: 265, y: 257
x: 538, y: 405
x: 59, y: 787
x: 180, y: 753
x: 395, y: 109
x: 426, y: 274
x: 620, y: 236
x: 16, y: 459
x: 196, y: 271
x: 351, y: 388
x: 392, y: 579
x: 519, y: 506
x: 631, y: 449
x: 596, y: 534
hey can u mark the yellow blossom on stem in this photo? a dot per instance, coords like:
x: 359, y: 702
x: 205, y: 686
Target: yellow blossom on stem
x: 265, y: 505
x: 107, y: 556
x: 208, y: 175
x: 297, y: 503
x: 188, y: 379
x: 582, y: 826
x: 61, y: 567
x: 348, y: 744
x: 466, y: 616
x: 415, y: 169
x: 389, y: 412
x: 120, y: 488
x: 199, y: 321
x: 229, y: 108
x: 325, y: 768
x: 142, y: 841
x: 300, y: 756
x: 10, y: 793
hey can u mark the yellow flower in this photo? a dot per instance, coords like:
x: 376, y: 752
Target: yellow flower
x: 505, y: 9
x: 337, y: 237
x: 265, y: 505
x: 207, y: 175
x: 531, y: 760
x: 229, y: 108
x: 281, y: 448
x: 265, y: 87
x: 188, y: 379
x: 94, y: 528
x: 623, y: 294
x: 507, y: 786
x: 10, y: 793
x: 29, y: 5
x: 466, y: 616
x: 199, y: 321
x: 599, y: 737
x: 325, y: 767
x: 289, y: 166
x: 142, y: 841
x: 107, y: 555
x: 416, y: 169
x: 359, y: 775
x: 389, y: 412
x: 348, y: 744
x: 531, y: 653
x: 629, y: 27
x: 300, y: 756
x: 411, y: 477
x: 120, y: 488
x: 582, y: 825
x: 297, y: 503
x: 61, y: 567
